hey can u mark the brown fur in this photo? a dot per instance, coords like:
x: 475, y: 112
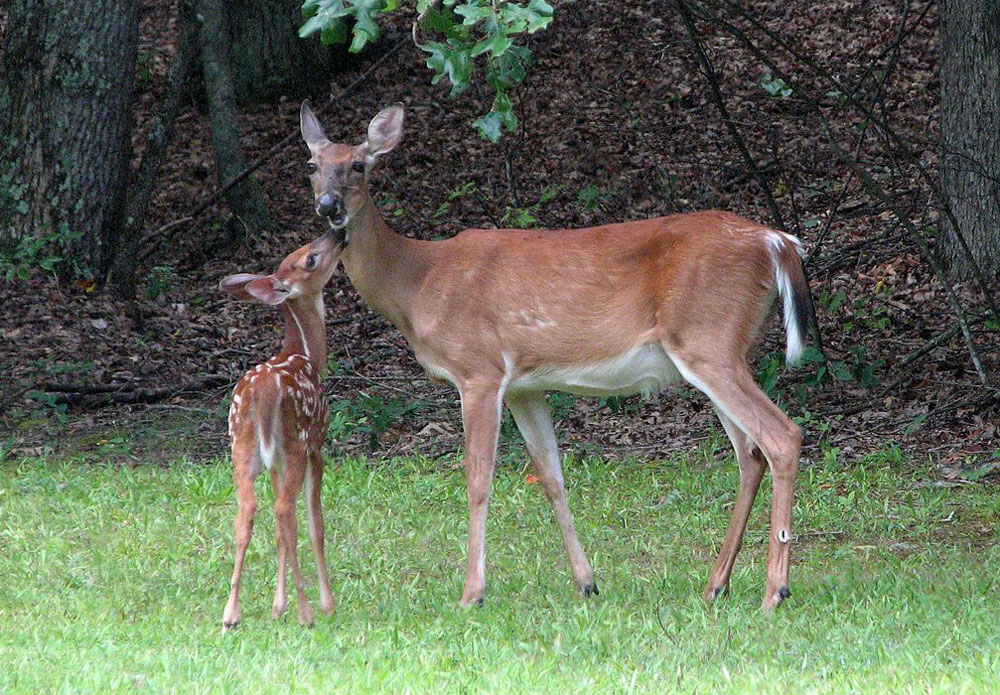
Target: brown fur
x: 490, y: 310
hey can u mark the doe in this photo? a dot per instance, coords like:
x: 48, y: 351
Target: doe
x: 278, y: 420
x: 508, y: 314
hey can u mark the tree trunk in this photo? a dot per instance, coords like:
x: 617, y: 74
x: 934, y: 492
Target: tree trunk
x: 245, y: 199
x: 970, y: 132
x: 67, y: 77
x: 273, y: 60
x: 155, y: 152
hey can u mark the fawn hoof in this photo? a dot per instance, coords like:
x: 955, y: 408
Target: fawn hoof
x: 714, y: 592
x: 591, y: 590
x: 305, y: 614
x: 230, y: 618
x: 327, y: 606
x: 784, y: 592
x: 470, y: 602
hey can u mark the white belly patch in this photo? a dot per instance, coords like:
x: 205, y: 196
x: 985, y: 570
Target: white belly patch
x: 644, y: 369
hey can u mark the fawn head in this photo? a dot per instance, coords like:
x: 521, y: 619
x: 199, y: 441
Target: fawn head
x: 303, y: 273
x: 338, y: 172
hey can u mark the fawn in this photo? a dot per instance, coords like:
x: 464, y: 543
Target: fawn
x: 278, y: 420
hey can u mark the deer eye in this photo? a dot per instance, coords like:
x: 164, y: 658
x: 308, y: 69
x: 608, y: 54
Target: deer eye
x: 310, y: 261
x: 311, y: 168
x: 359, y: 167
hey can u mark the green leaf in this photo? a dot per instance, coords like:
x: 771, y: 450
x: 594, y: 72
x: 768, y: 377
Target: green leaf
x: 335, y: 33
x: 311, y: 26
x: 49, y: 262
x: 509, y: 69
x: 840, y: 371
x: 446, y: 60
x: 541, y: 15
x: 489, y: 126
x: 474, y: 13
x: 496, y: 45
x: 444, y: 22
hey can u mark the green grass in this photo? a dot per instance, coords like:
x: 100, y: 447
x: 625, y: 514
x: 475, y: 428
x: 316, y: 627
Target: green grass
x: 114, y: 580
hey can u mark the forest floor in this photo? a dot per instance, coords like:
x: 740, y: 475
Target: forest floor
x: 617, y: 123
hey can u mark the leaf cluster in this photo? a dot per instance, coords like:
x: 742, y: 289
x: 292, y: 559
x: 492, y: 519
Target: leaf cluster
x: 469, y: 35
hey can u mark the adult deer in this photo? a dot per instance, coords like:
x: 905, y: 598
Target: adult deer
x: 506, y: 315
x: 278, y: 420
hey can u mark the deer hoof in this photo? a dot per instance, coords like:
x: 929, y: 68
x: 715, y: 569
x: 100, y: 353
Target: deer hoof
x: 591, y: 589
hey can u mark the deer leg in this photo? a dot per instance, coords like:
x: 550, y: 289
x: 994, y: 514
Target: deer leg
x: 481, y: 421
x: 734, y: 393
x: 280, y: 603
x: 752, y: 463
x: 244, y: 472
x: 284, y: 511
x: 531, y: 413
x: 314, y: 485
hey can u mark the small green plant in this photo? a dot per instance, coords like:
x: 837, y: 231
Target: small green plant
x: 562, y: 405
x: 30, y: 253
x: 69, y: 367
x: 527, y: 217
x: 160, y: 280
x: 775, y: 86
x: 367, y: 415
x: 592, y: 198
x: 48, y: 402
x: 520, y: 218
x: 623, y: 405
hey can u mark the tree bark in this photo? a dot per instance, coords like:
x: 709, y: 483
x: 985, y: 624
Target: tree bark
x: 273, y: 61
x: 141, y: 192
x: 67, y: 78
x: 970, y: 132
x: 246, y: 200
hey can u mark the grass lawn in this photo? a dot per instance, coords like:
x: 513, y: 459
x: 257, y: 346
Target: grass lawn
x: 114, y: 581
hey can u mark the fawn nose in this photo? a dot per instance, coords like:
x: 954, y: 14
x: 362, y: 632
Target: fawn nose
x: 330, y: 205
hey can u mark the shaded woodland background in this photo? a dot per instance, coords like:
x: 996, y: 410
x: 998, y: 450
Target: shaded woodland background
x: 822, y: 118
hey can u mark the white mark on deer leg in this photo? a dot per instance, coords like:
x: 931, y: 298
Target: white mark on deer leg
x: 783, y: 536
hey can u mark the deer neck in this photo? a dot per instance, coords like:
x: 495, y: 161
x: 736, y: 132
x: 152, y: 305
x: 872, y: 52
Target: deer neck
x: 387, y: 269
x: 305, y: 333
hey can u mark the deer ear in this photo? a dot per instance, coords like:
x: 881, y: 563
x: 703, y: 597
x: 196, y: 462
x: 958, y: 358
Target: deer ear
x: 235, y: 285
x: 312, y: 131
x: 386, y: 130
x: 267, y: 290
x: 262, y: 288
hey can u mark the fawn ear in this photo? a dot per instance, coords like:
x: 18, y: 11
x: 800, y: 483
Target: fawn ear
x: 268, y: 290
x: 386, y: 130
x: 262, y: 288
x: 235, y: 285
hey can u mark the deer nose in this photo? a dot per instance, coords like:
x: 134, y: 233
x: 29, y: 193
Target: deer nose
x: 330, y: 205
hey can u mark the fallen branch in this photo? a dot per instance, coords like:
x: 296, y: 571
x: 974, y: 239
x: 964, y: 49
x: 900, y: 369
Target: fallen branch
x: 96, y: 395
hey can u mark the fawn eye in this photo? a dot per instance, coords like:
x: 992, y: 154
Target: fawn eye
x: 310, y: 261
x: 359, y: 167
x: 310, y: 168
